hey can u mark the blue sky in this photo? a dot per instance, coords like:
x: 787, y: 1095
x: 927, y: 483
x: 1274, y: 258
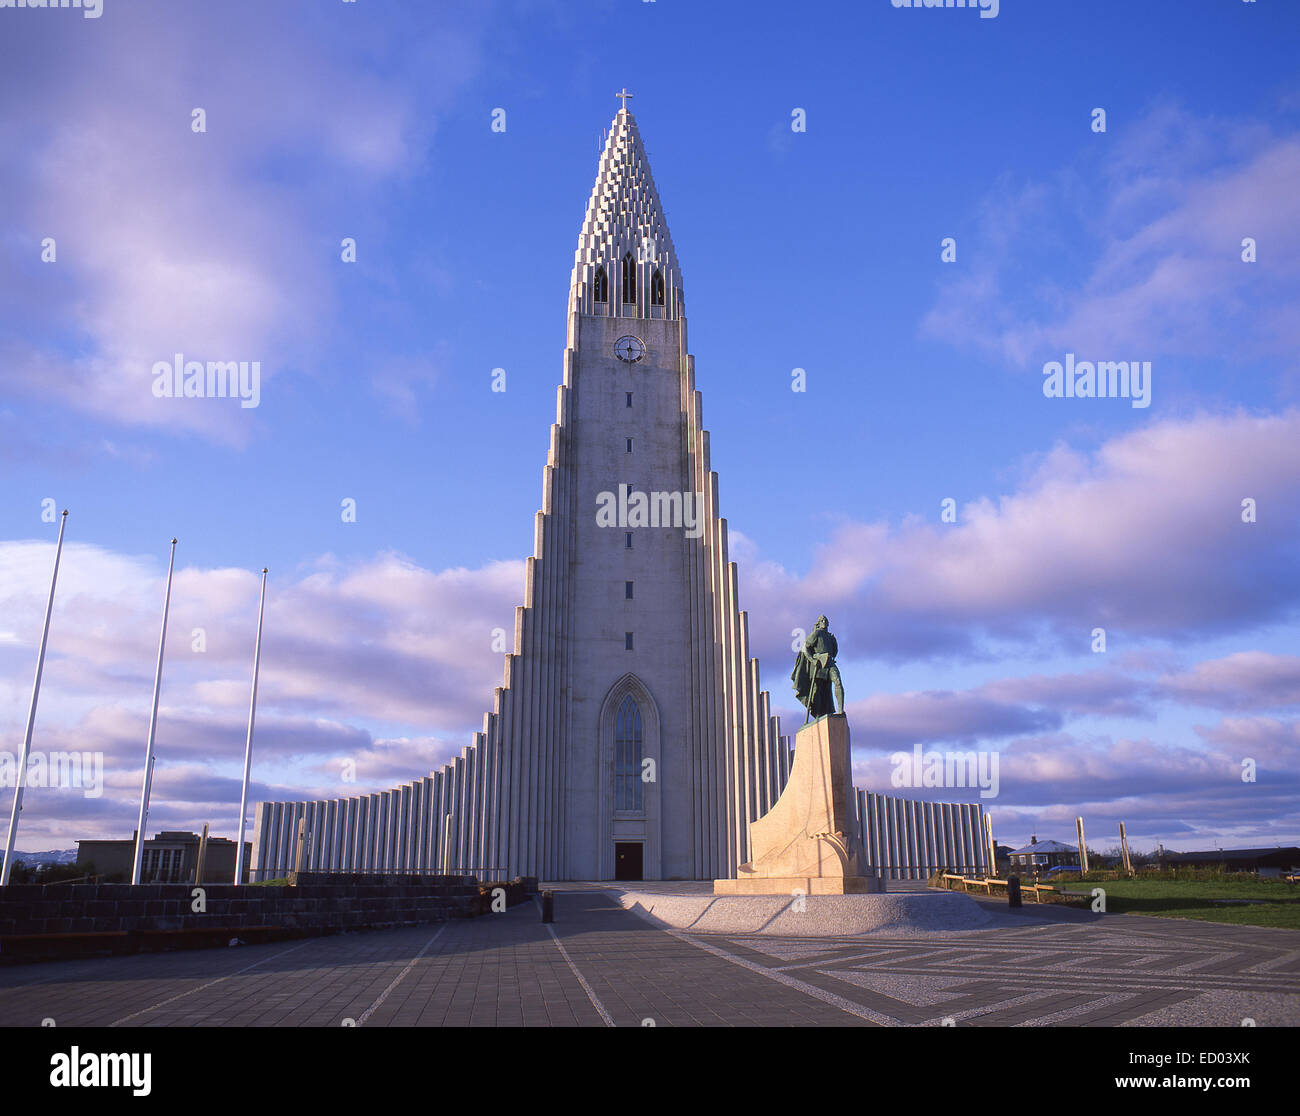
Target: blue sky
x: 817, y: 250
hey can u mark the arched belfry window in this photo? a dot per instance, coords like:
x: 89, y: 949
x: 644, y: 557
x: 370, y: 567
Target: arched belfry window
x: 601, y: 285
x: 627, y: 756
x: 629, y: 278
x: 657, y: 288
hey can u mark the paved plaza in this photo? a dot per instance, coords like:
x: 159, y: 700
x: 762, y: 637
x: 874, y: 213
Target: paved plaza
x: 601, y: 965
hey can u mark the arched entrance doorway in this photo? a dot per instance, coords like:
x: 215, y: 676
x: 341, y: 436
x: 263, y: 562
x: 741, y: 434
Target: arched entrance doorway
x: 629, y: 787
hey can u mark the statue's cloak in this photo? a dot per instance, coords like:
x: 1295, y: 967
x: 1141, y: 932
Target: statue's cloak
x: 802, y: 676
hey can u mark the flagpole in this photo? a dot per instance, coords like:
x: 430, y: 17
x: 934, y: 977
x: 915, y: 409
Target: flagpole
x: 147, y: 782
x: 20, y: 776
x: 248, y: 744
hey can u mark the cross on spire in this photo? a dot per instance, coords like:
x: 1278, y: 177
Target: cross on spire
x: 623, y: 96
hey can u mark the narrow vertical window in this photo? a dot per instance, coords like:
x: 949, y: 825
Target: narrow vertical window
x: 628, y: 544
x: 627, y: 590
x: 627, y: 756
x: 629, y: 278
x: 629, y: 399
x: 629, y: 445
x: 656, y: 289
x: 601, y: 286
x: 627, y: 641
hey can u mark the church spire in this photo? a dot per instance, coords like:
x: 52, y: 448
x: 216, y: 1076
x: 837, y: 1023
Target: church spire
x: 625, y: 265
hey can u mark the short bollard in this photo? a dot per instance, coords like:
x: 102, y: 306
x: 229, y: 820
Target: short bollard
x: 1013, y: 891
x: 548, y: 906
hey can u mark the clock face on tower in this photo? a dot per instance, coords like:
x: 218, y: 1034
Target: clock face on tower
x: 629, y: 349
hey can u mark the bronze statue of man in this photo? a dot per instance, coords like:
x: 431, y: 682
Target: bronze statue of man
x: 815, y: 674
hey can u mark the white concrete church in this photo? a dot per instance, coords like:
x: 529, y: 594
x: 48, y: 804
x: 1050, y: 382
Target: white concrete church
x: 629, y: 738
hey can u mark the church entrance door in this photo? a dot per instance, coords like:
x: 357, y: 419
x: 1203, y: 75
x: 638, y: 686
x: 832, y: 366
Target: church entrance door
x: 627, y: 860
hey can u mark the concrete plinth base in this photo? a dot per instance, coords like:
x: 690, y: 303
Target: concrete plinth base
x: 808, y: 842
x: 808, y: 885
x: 817, y: 916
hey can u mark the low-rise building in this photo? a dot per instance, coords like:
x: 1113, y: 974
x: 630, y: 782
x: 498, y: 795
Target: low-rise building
x: 1039, y: 856
x: 169, y: 857
x: 1267, y: 862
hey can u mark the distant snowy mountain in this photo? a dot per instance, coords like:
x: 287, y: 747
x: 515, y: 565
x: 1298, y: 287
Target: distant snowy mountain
x: 56, y: 856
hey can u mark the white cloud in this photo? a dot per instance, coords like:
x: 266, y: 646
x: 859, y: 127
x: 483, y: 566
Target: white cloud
x: 1164, y: 275
x: 1143, y: 537
x: 171, y: 241
x: 350, y: 652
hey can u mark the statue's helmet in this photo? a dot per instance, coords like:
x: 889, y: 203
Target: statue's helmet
x: 822, y: 622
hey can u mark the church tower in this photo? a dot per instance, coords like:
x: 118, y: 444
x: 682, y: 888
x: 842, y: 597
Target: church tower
x: 629, y: 737
x: 668, y: 743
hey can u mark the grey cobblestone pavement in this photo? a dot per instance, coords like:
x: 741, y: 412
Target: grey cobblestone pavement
x: 599, y: 965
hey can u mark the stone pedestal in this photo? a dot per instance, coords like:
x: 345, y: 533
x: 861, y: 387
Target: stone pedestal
x: 809, y: 840
x: 789, y: 885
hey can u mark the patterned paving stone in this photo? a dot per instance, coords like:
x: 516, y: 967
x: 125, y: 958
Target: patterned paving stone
x: 599, y: 965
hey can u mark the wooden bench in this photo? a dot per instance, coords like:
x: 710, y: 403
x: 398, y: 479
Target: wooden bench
x: 987, y: 883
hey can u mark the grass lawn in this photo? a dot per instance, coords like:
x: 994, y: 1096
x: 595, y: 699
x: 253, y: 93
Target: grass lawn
x: 1192, y: 899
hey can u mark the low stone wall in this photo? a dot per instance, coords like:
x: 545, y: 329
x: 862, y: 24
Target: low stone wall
x: 39, y: 921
